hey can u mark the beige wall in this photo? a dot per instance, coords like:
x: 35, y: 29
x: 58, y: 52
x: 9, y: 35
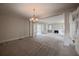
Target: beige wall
x: 13, y: 27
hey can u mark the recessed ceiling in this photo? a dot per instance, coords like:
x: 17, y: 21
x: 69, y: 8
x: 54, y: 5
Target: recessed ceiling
x: 43, y: 10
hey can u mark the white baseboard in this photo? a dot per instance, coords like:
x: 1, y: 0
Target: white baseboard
x: 13, y: 39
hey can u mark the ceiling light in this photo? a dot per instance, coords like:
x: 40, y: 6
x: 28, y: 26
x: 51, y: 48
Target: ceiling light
x: 34, y: 17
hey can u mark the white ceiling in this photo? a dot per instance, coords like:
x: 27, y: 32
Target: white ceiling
x: 43, y: 10
x: 55, y: 19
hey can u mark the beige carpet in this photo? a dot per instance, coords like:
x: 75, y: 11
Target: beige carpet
x: 40, y: 46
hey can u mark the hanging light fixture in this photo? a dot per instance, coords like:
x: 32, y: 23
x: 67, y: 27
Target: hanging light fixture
x: 34, y: 18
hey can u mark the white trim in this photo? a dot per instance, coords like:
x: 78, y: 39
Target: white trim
x: 13, y: 39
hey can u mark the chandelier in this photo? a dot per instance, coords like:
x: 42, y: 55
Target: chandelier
x: 34, y: 17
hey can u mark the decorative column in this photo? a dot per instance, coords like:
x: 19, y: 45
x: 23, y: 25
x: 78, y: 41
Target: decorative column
x: 67, y: 25
x: 30, y: 29
x: 67, y: 39
x: 46, y: 28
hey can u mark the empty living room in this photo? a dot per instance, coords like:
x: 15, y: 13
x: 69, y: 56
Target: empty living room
x: 39, y: 29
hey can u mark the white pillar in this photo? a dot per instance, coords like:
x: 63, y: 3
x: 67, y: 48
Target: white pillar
x: 46, y: 28
x: 67, y: 25
x: 34, y: 29
x: 67, y: 39
x: 30, y: 29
